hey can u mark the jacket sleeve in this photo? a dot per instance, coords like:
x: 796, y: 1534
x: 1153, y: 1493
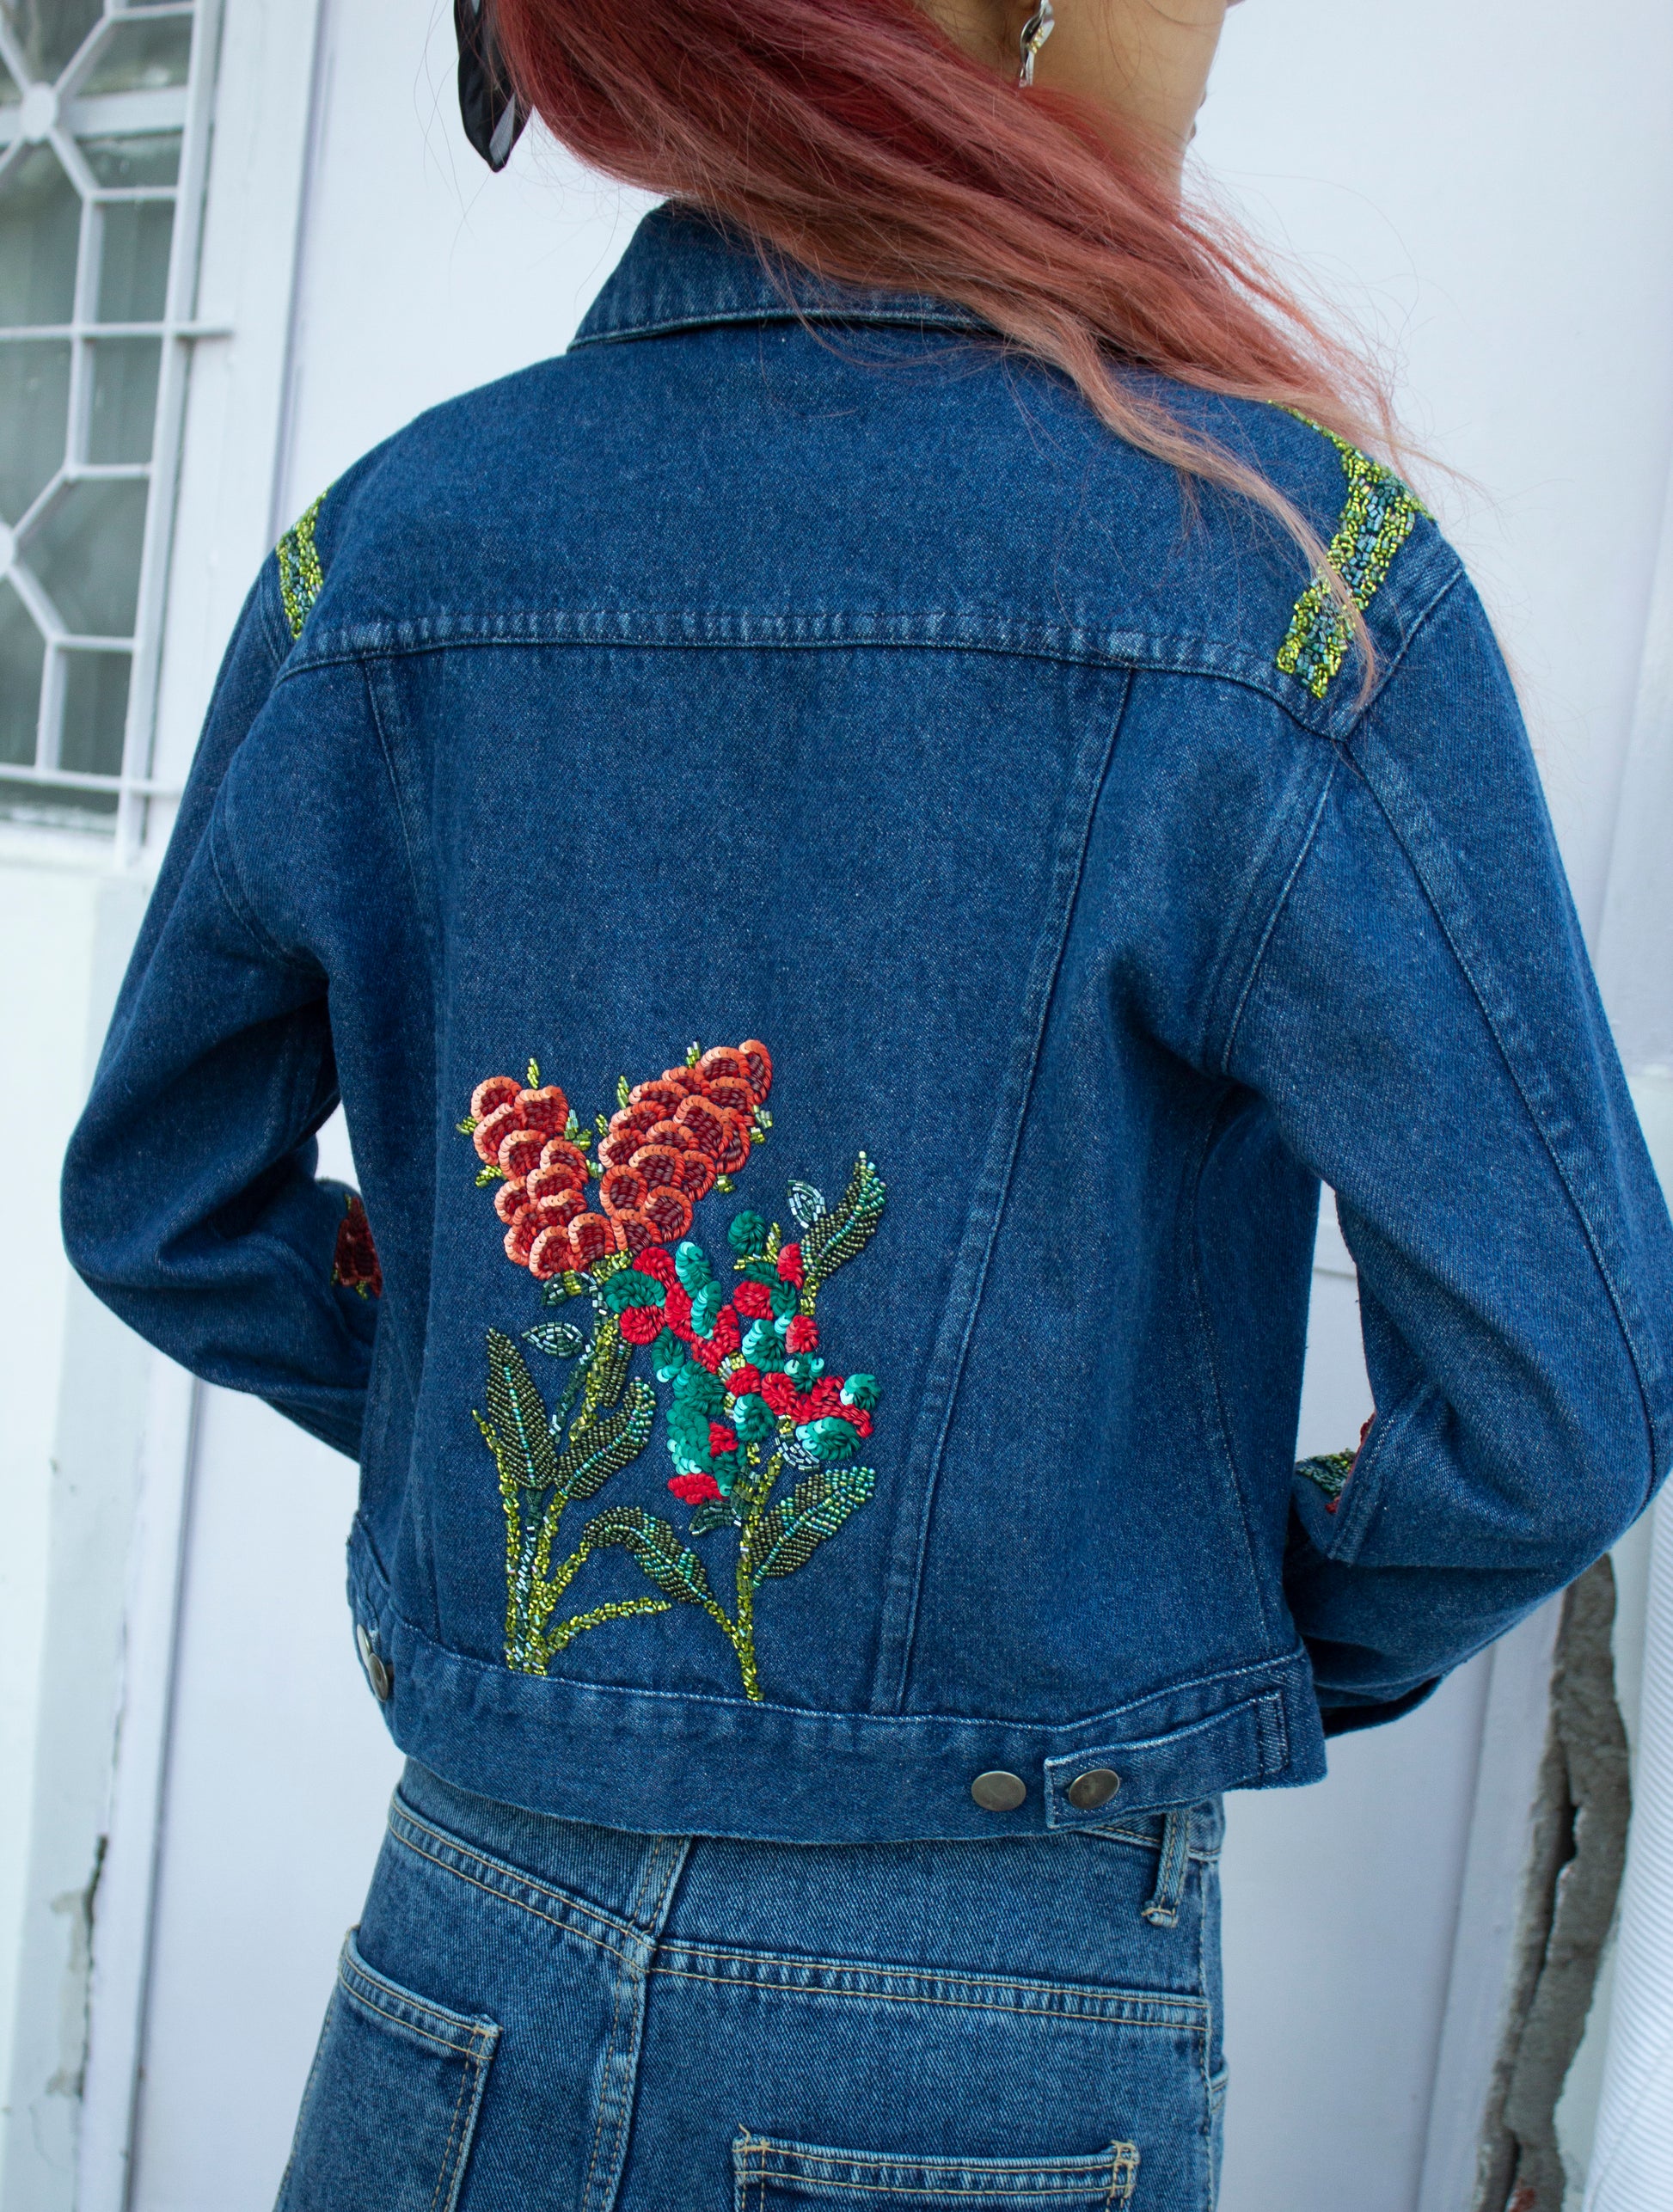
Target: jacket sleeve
x: 1421, y: 1022
x: 190, y: 1202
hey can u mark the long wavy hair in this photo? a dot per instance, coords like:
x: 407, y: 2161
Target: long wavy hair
x: 856, y: 137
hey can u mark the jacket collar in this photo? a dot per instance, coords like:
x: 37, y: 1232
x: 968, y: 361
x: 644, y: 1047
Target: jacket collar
x: 686, y: 271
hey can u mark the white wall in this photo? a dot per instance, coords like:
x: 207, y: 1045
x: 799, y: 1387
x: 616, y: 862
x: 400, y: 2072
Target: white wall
x: 1489, y: 184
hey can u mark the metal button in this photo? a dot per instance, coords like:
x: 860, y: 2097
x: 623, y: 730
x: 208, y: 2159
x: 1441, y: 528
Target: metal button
x: 1095, y: 1787
x: 999, y: 1790
x: 377, y: 1671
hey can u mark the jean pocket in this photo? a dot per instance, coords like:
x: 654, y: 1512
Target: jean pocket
x: 390, y: 2107
x: 771, y: 2177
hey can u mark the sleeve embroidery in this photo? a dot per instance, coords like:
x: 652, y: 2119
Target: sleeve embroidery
x: 301, y: 578
x: 1330, y: 1471
x: 747, y: 1399
x: 1374, y: 525
x: 355, y: 1266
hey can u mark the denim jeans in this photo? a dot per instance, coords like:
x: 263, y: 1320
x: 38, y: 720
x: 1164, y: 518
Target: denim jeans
x: 538, y: 2016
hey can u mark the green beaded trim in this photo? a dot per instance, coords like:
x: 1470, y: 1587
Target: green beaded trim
x: 1375, y: 523
x: 1330, y: 1471
x: 301, y: 579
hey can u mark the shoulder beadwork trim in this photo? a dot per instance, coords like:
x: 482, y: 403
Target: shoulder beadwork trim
x: 1375, y: 523
x: 301, y: 579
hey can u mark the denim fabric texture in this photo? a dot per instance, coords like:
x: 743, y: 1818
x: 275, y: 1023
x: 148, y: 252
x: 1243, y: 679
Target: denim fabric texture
x: 800, y: 667
x: 533, y: 2012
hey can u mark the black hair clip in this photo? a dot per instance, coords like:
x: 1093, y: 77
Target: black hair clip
x: 494, y: 115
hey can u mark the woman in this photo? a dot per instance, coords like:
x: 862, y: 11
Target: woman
x: 855, y: 848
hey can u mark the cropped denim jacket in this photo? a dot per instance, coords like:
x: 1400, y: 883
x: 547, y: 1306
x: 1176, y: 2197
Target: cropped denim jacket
x: 850, y: 914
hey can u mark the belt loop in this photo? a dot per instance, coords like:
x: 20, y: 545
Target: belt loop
x: 1163, y: 1910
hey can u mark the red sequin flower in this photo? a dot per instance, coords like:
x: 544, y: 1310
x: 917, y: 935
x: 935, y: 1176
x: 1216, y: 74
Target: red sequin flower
x: 661, y: 1155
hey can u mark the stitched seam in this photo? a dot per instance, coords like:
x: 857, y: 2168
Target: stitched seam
x: 520, y: 1904
x: 1006, y: 2193
x: 452, y: 2131
x: 1279, y: 904
x: 1220, y: 1427
x: 654, y: 1912
x: 607, y: 2085
x: 604, y: 2091
x: 361, y: 1998
x: 1147, y: 1843
x: 949, y: 2004
x: 1113, y: 1720
x: 1136, y: 654
x: 1070, y: 867
x: 1536, y: 1119
x: 401, y: 812
x: 353, y: 1972
x: 622, y: 2093
x: 224, y: 866
x: 805, y: 2160
x: 1360, y: 1503
x: 718, y: 1955
x: 511, y: 1875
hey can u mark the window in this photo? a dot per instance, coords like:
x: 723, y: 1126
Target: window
x: 101, y: 120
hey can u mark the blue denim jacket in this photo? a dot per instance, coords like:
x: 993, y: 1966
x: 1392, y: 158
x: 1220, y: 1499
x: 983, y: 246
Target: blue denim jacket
x: 849, y: 915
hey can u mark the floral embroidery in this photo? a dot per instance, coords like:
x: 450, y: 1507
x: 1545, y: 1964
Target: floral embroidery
x: 355, y: 1265
x: 1375, y: 523
x: 1330, y: 1471
x: 301, y: 579
x: 748, y: 1402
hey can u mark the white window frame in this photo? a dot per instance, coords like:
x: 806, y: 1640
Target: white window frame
x: 190, y: 108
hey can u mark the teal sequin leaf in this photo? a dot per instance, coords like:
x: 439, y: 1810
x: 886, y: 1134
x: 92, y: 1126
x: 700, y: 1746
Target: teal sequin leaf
x: 558, y: 1339
x: 806, y: 1204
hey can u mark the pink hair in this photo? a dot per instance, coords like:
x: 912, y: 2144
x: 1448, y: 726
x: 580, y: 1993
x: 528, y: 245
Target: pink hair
x: 854, y: 138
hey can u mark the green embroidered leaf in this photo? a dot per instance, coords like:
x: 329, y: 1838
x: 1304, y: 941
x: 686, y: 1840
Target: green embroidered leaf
x: 607, y: 1371
x: 517, y: 1412
x: 1330, y: 1470
x: 601, y: 1123
x: 608, y: 1445
x: 806, y: 1204
x: 790, y: 1532
x: 622, y: 1094
x: 467, y: 1126
x: 534, y: 1075
x: 840, y: 1234
x: 717, y: 1514
x: 694, y: 1052
x: 558, y: 1339
x: 490, y: 1175
x: 554, y: 1292
x: 671, y: 1565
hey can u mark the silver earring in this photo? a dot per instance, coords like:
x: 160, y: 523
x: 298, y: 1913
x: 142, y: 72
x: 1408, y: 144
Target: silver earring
x: 1035, y: 32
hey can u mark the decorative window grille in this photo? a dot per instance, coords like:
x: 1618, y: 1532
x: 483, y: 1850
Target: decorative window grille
x: 103, y: 125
